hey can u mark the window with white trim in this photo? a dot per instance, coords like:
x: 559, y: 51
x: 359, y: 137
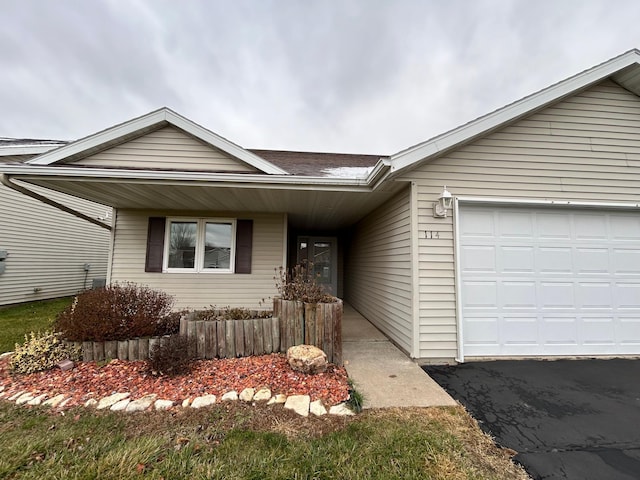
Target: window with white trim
x: 200, y: 245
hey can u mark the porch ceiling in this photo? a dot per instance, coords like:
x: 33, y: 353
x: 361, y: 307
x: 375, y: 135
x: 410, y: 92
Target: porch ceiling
x: 308, y: 207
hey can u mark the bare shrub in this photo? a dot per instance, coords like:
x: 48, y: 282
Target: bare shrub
x: 115, y: 312
x: 300, y: 283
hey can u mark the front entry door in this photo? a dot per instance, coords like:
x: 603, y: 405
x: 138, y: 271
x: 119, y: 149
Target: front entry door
x: 323, y: 253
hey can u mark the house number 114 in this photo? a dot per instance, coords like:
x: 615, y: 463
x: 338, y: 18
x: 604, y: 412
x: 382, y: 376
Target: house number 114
x: 431, y: 234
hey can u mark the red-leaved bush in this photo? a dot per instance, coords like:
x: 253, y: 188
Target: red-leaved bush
x: 115, y: 312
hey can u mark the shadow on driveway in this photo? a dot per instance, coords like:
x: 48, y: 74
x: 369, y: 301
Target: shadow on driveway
x: 567, y: 419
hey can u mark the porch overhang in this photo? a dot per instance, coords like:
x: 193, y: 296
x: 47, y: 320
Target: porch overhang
x: 310, y: 202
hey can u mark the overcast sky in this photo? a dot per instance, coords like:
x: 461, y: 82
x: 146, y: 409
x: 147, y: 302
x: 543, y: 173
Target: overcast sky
x: 362, y: 76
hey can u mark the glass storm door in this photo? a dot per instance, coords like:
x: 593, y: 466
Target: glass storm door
x: 323, y: 253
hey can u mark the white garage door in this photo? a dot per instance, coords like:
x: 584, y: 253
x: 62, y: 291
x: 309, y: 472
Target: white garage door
x: 549, y: 282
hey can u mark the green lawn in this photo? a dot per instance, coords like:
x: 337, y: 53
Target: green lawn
x: 245, y: 442
x: 16, y: 322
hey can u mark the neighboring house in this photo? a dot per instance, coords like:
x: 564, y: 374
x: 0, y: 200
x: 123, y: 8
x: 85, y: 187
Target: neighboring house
x: 46, y: 252
x: 538, y: 256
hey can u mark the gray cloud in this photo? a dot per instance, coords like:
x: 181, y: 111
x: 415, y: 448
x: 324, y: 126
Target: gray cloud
x: 366, y: 76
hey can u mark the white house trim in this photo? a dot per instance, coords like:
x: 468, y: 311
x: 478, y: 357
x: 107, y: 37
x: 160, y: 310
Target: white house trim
x: 148, y: 122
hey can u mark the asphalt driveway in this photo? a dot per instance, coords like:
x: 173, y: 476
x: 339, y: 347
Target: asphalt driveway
x: 567, y: 419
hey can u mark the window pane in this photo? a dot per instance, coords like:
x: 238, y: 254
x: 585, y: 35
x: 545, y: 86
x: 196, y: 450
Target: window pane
x: 182, y: 244
x: 217, y: 245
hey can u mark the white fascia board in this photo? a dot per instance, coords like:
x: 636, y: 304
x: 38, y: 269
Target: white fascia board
x: 502, y: 116
x: 223, y: 144
x: 100, y: 138
x: 28, y: 149
x: 30, y: 172
x: 164, y: 115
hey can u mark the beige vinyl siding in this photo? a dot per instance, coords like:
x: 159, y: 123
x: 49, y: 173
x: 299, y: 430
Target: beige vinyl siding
x: 199, y: 290
x: 584, y: 148
x: 166, y: 149
x: 48, y: 247
x: 378, y: 269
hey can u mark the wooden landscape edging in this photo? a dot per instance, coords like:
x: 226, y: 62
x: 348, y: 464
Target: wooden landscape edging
x: 231, y: 338
x: 132, y: 349
x: 318, y: 324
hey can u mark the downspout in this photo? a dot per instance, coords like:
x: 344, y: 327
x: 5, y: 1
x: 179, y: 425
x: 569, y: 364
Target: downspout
x: 6, y: 181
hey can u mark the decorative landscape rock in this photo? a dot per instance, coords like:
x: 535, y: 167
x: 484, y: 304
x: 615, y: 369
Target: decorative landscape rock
x: 317, y: 408
x: 54, y: 401
x: 37, y: 400
x: 120, y: 406
x: 277, y: 399
x: 163, y: 404
x: 204, y: 401
x: 111, y: 400
x: 247, y: 394
x: 92, y: 402
x: 307, y: 359
x: 299, y: 404
x: 340, y: 409
x: 141, y: 404
x: 24, y: 398
x: 230, y: 396
x: 262, y: 395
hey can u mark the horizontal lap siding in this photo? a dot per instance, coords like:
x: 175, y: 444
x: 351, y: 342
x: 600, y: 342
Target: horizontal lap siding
x: 48, y: 248
x: 167, y: 148
x: 585, y: 148
x: 198, y: 290
x: 378, y: 269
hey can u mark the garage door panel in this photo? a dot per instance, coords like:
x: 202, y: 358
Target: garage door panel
x: 553, y: 226
x: 554, y: 260
x: 627, y: 296
x: 517, y: 259
x: 591, y: 260
x: 481, y: 295
x: 515, y: 224
x: 479, y: 258
x: 520, y: 330
x: 626, y: 261
x: 589, y: 227
x: 600, y: 331
x: 541, y: 281
x: 556, y: 296
x: 518, y: 295
x: 595, y: 296
x: 624, y: 229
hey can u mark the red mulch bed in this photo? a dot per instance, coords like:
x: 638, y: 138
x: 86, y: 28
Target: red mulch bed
x: 90, y: 380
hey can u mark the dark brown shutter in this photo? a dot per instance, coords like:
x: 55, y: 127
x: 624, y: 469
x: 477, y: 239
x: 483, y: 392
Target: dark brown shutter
x: 155, y: 244
x: 244, y: 244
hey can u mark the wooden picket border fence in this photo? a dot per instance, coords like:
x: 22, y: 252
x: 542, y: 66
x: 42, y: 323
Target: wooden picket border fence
x: 318, y: 324
x: 293, y: 323
x: 231, y: 338
x: 132, y: 349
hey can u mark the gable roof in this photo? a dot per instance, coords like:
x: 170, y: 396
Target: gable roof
x: 147, y: 123
x: 623, y: 69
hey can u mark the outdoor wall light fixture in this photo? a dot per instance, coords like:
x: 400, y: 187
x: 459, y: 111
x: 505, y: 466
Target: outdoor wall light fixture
x: 444, y: 203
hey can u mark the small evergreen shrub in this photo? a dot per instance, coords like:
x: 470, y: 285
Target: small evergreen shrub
x: 115, y: 312
x: 170, y: 357
x: 299, y: 283
x: 41, y: 351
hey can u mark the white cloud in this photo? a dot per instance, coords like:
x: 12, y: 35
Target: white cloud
x: 367, y: 76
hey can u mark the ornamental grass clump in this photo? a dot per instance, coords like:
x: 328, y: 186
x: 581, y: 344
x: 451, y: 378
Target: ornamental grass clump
x: 117, y: 312
x: 301, y: 283
x: 41, y: 351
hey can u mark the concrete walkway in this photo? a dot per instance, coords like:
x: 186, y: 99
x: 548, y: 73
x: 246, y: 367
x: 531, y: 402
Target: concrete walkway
x: 381, y: 372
